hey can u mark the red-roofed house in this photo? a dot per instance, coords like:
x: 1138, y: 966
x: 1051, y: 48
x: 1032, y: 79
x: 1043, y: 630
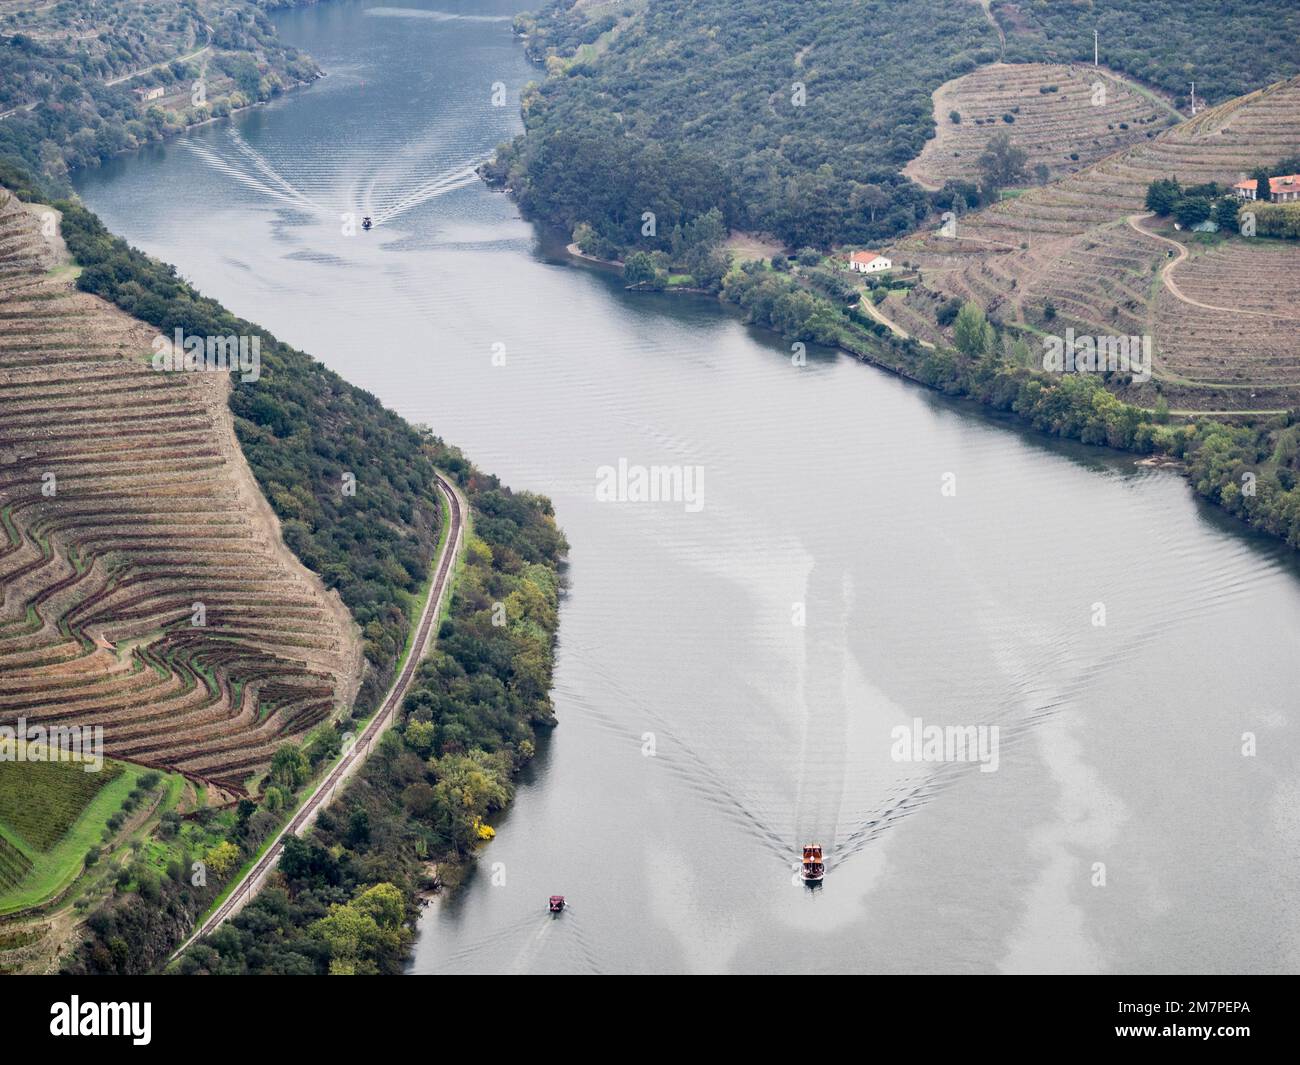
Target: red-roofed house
x: 868, y: 262
x: 1281, y: 189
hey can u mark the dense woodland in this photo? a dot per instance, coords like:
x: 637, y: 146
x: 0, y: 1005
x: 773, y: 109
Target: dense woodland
x: 343, y: 900
x: 795, y: 119
x: 790, y: 118
x: 62, y: 61
x: 1228, y: 47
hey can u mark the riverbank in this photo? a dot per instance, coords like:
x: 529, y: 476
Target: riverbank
x: 225, y: 57
x: 418, y: 810
x: 1219, y: 459
x: 365, y: 437
x: 823, y: 488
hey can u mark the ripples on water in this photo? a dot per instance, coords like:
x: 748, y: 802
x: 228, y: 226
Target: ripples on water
x: 1119, y: 744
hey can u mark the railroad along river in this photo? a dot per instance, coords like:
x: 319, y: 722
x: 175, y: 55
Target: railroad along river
x: 851, y: 560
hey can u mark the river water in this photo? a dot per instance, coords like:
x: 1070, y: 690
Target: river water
x: 729, y: 675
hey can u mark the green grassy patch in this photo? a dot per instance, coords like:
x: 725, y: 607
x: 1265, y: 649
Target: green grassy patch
x: 54, y: 869
x: 40, y: 801
x: 14, y: 865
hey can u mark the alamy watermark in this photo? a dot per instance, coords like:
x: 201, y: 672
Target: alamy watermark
x: 77, y: 1018
x: 1088, y: 354
x: 629, y: 483
x: 920, y: 742
x: 182, y: 353
x: 55, y: 743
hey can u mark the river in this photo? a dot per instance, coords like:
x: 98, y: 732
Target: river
x: 729, y: 675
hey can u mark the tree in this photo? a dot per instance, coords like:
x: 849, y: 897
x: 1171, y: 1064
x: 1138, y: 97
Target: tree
x: 366, y: 931
x: 221, y: 859
x: 384, y: 903
x: 706, y: 230
x: 468, y: 787
x: 639, y: 269
x: 420, y: 735
x: 584, y: 237
x: 947, y: 312
x: 869, y: 198
x: 1225, y: 212
x: 972, y: 333
x: 289, y: 767
x: 1192, y: 211
x: 1002, y: 164
x: 708, y: 266
x: 1163, y: 196
x: 1263, y: 184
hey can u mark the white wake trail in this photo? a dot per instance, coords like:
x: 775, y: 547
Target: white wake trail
x: 248, y: 180
x: 267, y: 170
x: 428, y: 192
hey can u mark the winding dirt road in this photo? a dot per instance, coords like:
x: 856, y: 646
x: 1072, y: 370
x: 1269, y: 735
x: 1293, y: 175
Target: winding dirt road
x: 875, y: 312
x: 324, y: 791
x: 1166, y: 275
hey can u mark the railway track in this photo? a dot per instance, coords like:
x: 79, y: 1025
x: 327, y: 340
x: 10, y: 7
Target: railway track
x: 251, y: 881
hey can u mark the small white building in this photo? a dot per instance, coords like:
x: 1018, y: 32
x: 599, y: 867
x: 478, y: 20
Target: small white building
x: 868, y: 262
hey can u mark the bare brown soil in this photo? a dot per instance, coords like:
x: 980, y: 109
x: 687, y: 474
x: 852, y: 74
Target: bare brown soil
x: 151, y: 509
x: 1065, y: 129
x: 1218, y: 345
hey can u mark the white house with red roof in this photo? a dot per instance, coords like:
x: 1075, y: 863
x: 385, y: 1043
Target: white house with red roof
x: 868, y: 262
x: 1283, y: 189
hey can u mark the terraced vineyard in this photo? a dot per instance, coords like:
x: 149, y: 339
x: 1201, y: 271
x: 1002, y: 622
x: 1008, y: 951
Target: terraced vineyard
x: 1224, y: 310
x: 1058, y: 116
x: 41, y: 800
x: 14, y: 865
x: 1069, y: 244
x: 125, y: 503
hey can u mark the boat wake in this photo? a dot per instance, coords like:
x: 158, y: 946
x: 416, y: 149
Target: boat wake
x: 387, y: 194
x: 1049, y: 682
x: 685, y: 762
x: 439, y: 186
x: 433, y: 16
x: 269, y: 184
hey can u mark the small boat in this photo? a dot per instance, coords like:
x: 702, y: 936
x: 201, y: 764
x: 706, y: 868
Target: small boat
x: 557, y: 904
x: 366, y: 223
x: 813, y: 868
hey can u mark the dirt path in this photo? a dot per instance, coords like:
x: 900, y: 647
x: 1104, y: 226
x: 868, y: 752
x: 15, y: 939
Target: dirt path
x: 875, y: 312
x: 163, y: 63
x: 1166, y: 275
x: 247, y: 886
x: 15, y: 110
x: 1002, y: 37
x: 125, y: 77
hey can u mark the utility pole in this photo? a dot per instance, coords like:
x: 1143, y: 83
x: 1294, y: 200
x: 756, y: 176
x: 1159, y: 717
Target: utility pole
x: 1096, y: 50
x: 1193, y: 97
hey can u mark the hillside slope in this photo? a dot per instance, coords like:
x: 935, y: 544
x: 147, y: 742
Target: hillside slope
x: 1057, y: 114
x: 82, y: 81
x: 126, y: 501
x: 1071, y: 245
x: 796, y: 119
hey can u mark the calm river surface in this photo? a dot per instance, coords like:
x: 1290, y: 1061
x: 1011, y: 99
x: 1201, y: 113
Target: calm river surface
x: 704, y: 734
